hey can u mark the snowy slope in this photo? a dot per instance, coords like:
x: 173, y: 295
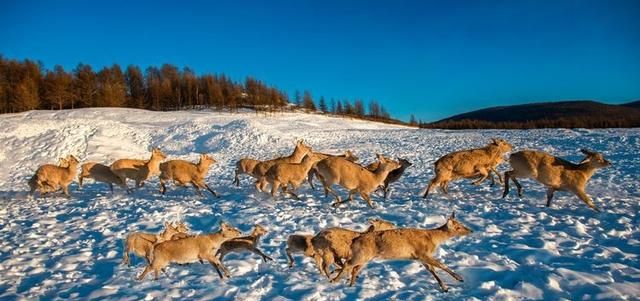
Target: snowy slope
x: 72, y: 248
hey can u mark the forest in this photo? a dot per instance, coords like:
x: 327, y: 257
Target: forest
x: 28, y: 85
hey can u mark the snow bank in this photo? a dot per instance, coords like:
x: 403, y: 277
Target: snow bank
x: 71, y: 248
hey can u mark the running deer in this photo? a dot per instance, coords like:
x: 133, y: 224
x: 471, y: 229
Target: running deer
x: 555, y: 173
x: 50, y: 178
x: 138, y: 170
x: 261, y: 168
x: 283, y: 175
x: 191, y: 249
x: 100, y: 173
x: 408, y: 244
x: 393, y: 176
x: 333, y: 245
x: 183, y: 173
x: 245, y: 243
x: 141, y: 243
x: 349, y: 155
x: 468, y: 164
x: 353, y: 177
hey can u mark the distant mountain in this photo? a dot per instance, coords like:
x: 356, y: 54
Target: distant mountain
x: 564, y: 114
x: 633, y: 104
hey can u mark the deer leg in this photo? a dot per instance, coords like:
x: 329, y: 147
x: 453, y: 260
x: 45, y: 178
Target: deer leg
x: 236, y: 180
x: 125, y: 258
x: 493, y: 169
x: 80, y: 178
x: 431, y: 184
x: 320, y: 264
x: 518, y: 186
x: 585, y: 198
x: 146, y: 271
x: 274, y: 188
x: 338, y: 199
x: 445, y: 187
x: 433, y: 272
x: 291, y: 261
x: 197, y: 188
x: 328, y: 258
x: 291, y: 193
x: 310, y: 179
x: 257, y: 251
x: 213, y: 192
x: 354, y: 274
x: 65, y: 190
x: 507, y: 176
x: 550, y: 192
x: 434, y: 262
x: 218, y: 266
x: 484, y: 173
x: 386, y: 190
x: 368, y: 199
x: 163, y: 187
x: 347, y: 267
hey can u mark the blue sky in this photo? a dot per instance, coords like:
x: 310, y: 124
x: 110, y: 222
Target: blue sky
x: 431, y: 59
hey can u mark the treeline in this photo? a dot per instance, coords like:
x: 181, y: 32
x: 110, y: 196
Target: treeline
x: 27, y: 85
x: 565, y: 122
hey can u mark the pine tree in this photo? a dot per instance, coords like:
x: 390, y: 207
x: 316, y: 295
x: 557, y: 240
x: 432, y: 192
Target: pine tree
x: 339, y: 110
x: 57, y: 88
x: 322, y: 105
x: 134, y: 81
x: 85, y: 86
x: 332, y: 106
x: 412, y: 120
x: 307, y: 101
x: 358, y: 107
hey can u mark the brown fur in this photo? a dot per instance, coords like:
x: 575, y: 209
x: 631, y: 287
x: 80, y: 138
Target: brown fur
x: 248, y: 243
x: 294, y: 174
x: 409, y: 244
x: 99, y: 173
x: 299, y: 243
x: 353, y: 177
x: 393, y: 176
x: 261, y: 168
x: 244, y: 166
x: 349, y: 155
x: 50, y: 178
x: 191, y: 249
x: 468, y: 164
x: 555, y: 173
x: 333, y: 245
x: 138, y: 170
x: 183, y: 173
x: 141, y: 243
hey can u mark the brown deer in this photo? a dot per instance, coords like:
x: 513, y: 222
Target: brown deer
x: 555, y: 173
x: 409, y: 244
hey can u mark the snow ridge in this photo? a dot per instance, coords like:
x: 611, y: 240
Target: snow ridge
x: 71, y: 248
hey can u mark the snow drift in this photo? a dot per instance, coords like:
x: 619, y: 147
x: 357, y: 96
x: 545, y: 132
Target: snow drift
x: 72, y: 248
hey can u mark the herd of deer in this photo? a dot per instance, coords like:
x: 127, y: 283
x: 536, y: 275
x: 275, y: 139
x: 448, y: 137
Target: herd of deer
x: 347, y: 249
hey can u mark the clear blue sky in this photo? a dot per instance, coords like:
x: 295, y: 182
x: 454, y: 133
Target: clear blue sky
x: 432, y: 59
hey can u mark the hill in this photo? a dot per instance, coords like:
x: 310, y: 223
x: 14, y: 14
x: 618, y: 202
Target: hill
x: 633, y: 104
x: 71, y: 248
x: 564, y: 114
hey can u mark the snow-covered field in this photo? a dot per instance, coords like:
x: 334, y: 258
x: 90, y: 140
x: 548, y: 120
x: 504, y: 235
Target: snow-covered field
x: 72, y: 248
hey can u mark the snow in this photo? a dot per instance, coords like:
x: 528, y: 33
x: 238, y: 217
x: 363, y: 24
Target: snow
x: 71, y: 248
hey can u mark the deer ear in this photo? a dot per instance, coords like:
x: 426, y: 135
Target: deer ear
x: 453, y: 215
x: 166, y: 224
x: 588, y: 152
